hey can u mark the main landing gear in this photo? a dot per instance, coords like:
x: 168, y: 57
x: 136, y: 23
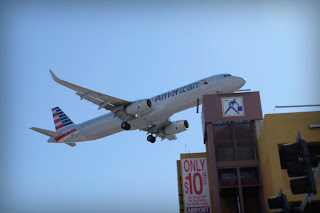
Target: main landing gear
x: 151, y: 138
x: 125, y: 126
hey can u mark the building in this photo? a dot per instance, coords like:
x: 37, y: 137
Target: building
x: 242, y: 155
x: 230, y: 135
x: 278, y: 129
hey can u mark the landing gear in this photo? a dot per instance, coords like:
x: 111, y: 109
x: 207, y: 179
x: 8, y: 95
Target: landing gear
x: 151, y: 138
x: 125, y: 126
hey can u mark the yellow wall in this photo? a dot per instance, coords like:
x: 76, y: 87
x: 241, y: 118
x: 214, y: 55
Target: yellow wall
x: 280, y: 129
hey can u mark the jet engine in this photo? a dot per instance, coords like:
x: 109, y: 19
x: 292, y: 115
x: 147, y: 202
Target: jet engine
x: 176, y: 127
x: 140, y: 107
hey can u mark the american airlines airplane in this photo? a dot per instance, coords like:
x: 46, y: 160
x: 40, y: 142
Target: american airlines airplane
x: 151, y: 115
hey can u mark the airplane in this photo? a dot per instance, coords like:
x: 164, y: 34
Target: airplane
x: 151, y: 115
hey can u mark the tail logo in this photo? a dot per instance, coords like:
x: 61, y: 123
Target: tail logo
x: 60, y: 118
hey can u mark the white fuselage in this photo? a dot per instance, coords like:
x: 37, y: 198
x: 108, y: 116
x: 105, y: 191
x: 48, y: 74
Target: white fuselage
x: 163, y: 106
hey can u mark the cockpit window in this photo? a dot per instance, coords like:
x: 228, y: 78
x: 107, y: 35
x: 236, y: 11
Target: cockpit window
x: 226, y: 75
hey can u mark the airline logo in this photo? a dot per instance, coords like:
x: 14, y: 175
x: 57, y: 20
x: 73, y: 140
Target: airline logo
x: 232, y: 106
x: 204, y: 82
x: 60, y: 118
x: 177, y: 92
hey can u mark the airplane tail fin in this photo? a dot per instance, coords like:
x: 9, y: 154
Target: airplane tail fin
x: 61, y: 120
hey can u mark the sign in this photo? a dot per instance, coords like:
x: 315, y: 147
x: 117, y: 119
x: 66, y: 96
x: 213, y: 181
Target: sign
x: 195, y: 185
x: 232, y: 106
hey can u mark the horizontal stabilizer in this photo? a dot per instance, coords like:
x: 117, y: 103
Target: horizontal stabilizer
x: 46, y: 132
x: 71, y: 144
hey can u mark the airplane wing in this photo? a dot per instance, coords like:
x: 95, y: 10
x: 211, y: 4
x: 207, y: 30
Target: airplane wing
x: 116, y: 105
x: 158, y: 130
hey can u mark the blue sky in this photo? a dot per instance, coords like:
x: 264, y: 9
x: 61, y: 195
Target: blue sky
x: 134, y: 51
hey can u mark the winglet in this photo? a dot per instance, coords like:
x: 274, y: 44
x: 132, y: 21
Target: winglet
x: 55, y: 78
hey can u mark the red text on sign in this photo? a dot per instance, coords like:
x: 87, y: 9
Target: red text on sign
x: 192, y: 165
x: 192, y: 183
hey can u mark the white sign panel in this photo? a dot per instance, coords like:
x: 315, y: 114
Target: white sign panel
x: 195, y: 185
x: 232, y: 106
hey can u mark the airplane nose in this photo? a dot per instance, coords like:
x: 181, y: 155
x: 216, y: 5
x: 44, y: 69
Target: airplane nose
x: 239, y: 82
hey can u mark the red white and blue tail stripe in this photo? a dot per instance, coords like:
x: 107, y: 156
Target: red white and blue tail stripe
x: 61, y: 120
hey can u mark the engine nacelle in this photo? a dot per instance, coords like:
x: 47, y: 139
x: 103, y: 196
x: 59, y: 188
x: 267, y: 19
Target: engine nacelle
x: 139, y: 107
x: 176, y: 127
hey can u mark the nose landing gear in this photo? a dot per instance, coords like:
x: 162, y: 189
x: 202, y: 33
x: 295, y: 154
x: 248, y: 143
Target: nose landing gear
x: 151, y: 138
x: 125, y: 126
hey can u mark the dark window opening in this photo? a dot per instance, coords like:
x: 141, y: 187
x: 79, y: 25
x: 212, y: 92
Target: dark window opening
x: 223, y: 133
x: 249, y: 176
x: 245, y: 151
x: 251, y: 198
x: 224, y: 152
x: 235, y: 141
x: 244, y: 131
x: 229, y: 200
x: 228, y: 177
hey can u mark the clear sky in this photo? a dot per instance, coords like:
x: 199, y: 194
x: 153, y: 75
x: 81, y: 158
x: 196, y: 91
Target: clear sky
x: 133, y: 51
